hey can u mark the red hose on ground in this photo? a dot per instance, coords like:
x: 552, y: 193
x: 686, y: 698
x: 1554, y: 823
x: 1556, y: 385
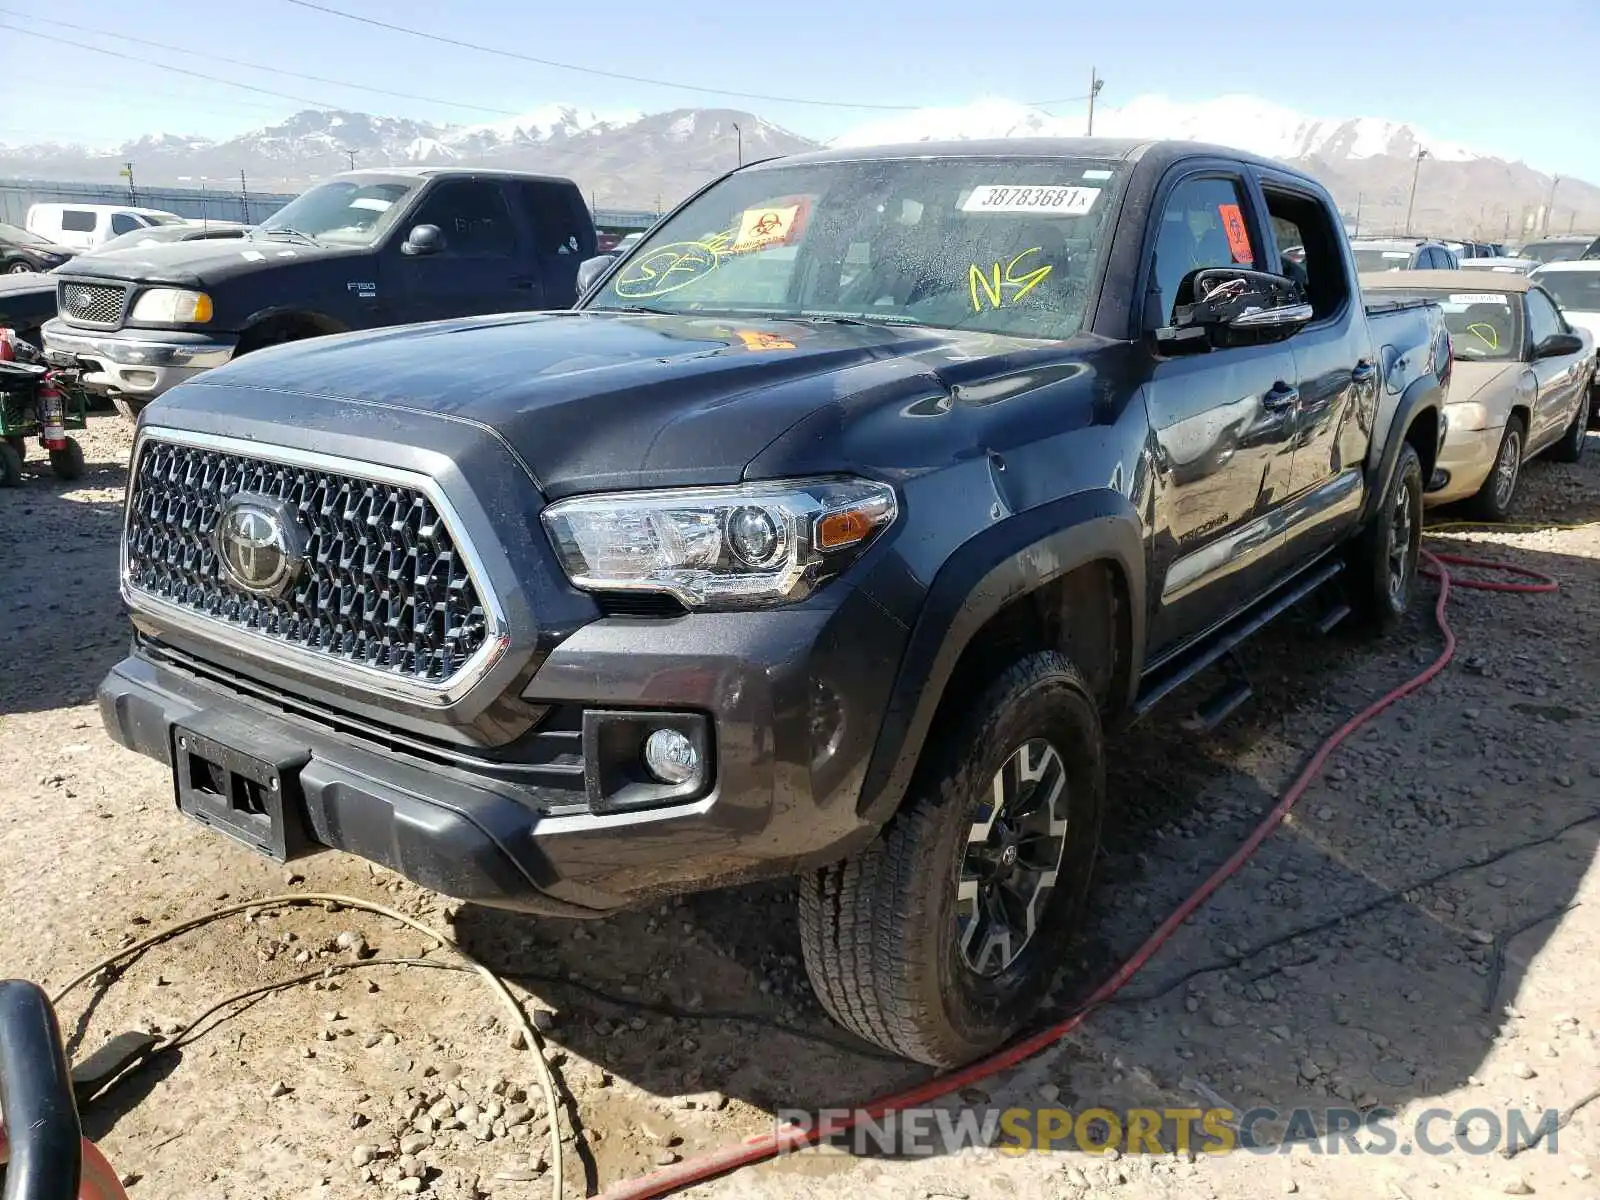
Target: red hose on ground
x: 770, y: 1145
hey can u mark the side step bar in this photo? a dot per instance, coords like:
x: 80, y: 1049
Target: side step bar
x: 1169, y: 678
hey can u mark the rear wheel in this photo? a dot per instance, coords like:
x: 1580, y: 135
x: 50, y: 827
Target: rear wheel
x: 1383, y: 566
x: 1571, y: 446
x: 939, y: 939
x: 10, y: 466
x: 1495, y: 498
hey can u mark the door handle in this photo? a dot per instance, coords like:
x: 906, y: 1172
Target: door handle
x: 1281, y: 396
x: 1363, y: 373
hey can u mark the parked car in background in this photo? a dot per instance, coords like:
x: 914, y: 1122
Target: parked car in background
x: 1467, y: 250
x: 1504, y: 263
x: 359, y: 250
x: 22, y: 253
x: 1566, y: 248
x: 1576, y: 288
x: 823, y: 540
x: 1520, y: 386
x: 85, y: 226
x: 1401, y: 254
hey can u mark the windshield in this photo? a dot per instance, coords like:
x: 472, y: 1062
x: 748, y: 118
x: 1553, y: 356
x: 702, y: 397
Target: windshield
x: 1548, y: 252
x: 163, y: 218
x: 1382, y: 260
x: 344, y: 211
x: 1484, y: 326
x: 1000, y: 245
x: 18, y: 236
x: 1575, y: 291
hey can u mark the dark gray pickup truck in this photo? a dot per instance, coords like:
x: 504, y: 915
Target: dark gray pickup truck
x: 828, y: 537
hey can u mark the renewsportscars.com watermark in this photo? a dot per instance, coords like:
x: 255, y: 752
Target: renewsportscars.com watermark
x: 925, y: 1132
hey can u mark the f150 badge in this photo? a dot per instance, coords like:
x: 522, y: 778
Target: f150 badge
x: 366, y: 291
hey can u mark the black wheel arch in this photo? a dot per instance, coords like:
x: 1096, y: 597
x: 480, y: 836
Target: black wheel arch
x: 1009, y: 562
x: 268, y: 326
x: 1417, y: 419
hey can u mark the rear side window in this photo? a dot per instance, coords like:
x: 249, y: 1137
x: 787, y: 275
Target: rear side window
x: 1203, y: 225
x: 555, y: 215
x: 1309, y: 248
x: 76, y: 220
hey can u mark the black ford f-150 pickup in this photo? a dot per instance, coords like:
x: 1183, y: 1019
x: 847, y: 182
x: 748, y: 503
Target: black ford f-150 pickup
x: 363, y: 249
x: 828, y: 536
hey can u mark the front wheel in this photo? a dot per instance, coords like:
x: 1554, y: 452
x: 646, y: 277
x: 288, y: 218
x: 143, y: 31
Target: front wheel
x: 129, y: 406
x: 1383, y: 564
x: 939, y: 939
x: 1494, y: 499
x: 19, y: 267
x: 10, y: 466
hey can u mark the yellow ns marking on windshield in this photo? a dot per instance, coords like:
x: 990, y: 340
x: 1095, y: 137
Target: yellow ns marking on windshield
x: 1004, y: 285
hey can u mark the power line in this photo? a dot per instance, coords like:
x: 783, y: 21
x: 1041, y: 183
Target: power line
x: 249, y: 87
x: 141, y: 91
x: 239, y: 62
x: 604, y: 74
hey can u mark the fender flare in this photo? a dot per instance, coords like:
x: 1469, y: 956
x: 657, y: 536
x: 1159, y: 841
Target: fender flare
x: 1424, y: 393
x: 333, y: 324
x: 986, y: 573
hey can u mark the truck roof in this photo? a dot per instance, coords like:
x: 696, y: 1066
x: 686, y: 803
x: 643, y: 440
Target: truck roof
x: 430, y: 172
x: 1127, y: 149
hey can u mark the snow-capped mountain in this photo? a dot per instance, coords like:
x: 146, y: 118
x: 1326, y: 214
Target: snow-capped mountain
x: 1243, y: 121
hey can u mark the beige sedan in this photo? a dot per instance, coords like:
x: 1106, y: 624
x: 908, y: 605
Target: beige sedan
x: 1518, y: 387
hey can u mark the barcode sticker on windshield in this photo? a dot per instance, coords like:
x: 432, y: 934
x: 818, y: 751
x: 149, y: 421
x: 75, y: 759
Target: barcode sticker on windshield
x: 1479, y: 298
x: 1016, y: 198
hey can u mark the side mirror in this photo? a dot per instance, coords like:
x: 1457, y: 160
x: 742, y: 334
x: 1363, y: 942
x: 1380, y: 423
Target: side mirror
x: 1228, y: 306
x: 1558, y: 345
x: 423, y: 240
x: 590, y: 269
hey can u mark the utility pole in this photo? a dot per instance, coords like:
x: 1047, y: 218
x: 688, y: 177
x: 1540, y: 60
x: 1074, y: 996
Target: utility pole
x: 1359, y: 197
x: 1095, y: 84
x: 351, y: 155
x: 1416, y: 170
x: 1506, y: 236
x: 127, y: 173
x: 739, y: 133
x: 1549, y: 204
x: 244, y: 197
x: 1572, y: 219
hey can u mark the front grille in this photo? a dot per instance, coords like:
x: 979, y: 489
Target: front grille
x: 92, y: 303
x: 383, y: 585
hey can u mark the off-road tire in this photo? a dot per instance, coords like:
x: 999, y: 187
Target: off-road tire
x: 879, y: 929
x: 10, y: 466
x: 1573, y: 442
x: 129, y: 407
x: 1494, y: 500
x: 67, y: 463
x: 20, y: 445
x: 1373, y: 593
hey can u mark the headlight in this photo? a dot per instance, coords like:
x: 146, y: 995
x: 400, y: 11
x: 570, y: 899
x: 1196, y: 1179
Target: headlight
x: 172, y: 306
x: 729, y: 547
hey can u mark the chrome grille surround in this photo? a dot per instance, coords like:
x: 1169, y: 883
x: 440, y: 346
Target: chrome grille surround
x: 408, y: 615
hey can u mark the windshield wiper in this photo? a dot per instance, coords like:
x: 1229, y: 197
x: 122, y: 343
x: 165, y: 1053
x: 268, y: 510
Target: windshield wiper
x: 633, y: 308
x: 863, y: 319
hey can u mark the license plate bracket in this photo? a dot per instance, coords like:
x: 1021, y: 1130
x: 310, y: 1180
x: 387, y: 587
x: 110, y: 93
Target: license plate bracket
x: 230, y: 779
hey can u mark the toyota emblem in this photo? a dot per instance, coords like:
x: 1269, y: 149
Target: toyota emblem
x: 260, y: 544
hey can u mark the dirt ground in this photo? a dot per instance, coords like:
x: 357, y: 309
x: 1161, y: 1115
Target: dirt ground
x: 1420, y: 934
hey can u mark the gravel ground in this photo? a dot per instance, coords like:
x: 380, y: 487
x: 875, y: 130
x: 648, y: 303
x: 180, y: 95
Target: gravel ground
x: 1371, y: 953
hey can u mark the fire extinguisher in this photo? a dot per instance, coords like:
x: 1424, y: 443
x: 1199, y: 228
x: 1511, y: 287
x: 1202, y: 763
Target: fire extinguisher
x: 52, y: 413
x: 7, y: 351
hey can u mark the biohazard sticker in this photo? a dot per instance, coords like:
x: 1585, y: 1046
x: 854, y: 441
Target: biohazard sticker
x: 1238, y: 236
x: 755, y: 339
x: 760, y: 227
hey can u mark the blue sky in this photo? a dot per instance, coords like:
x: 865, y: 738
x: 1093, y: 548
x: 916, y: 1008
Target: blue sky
x: 1420, y: 61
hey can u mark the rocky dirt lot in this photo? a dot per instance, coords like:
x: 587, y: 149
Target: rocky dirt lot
x: 1421, y: 933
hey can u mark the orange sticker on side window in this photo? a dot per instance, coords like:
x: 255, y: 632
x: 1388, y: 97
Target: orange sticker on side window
x: 1238, y: 235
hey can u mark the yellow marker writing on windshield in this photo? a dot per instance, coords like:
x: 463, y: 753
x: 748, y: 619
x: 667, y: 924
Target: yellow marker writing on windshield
x: 1002, y: 285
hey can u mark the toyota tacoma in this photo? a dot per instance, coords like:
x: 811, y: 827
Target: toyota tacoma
x: 828, y: 536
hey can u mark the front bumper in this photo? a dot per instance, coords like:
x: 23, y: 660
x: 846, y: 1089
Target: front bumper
x: 139, y: 362
x: 788, y: 699
x: 1465, y: 461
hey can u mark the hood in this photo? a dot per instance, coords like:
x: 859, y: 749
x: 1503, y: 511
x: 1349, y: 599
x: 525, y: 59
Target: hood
x: 1478, y: 380
x: 601, y: 401
x: 21, y: 285
x: 202, y: 262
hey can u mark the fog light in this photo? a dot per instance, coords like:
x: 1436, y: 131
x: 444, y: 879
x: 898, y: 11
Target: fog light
x: 671, y: 757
